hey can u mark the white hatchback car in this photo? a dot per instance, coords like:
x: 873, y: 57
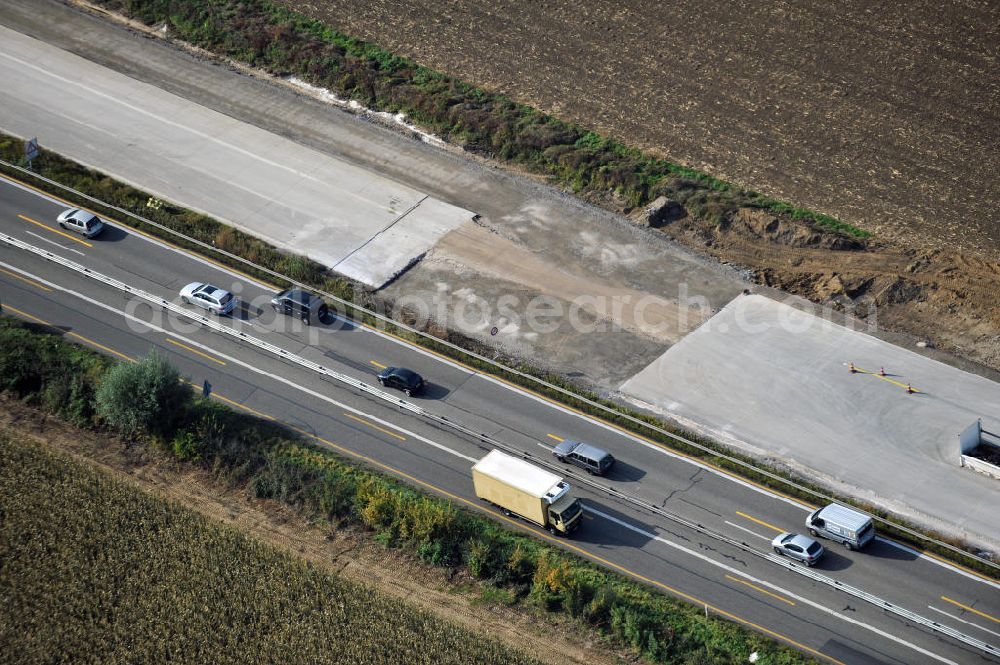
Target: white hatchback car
x: 210, y: 297
x: 85, y: 223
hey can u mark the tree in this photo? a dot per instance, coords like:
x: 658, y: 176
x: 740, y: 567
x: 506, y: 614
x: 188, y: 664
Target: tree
x: 144, y: 397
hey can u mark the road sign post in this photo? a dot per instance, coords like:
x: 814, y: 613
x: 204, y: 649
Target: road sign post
x: 30, y: 150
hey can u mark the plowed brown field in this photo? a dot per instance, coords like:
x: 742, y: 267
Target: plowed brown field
x: 886, y: 116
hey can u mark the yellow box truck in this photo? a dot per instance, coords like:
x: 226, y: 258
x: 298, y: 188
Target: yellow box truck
x: 522, y: 489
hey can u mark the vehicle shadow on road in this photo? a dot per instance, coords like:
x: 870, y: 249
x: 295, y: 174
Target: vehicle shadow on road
x: 111, y: 234
x: 247, y: 312
x: 833, y: 560
x: 597, y: 529
x: 432, y: 391
x: 886, y: 550
x: 625, y: 473
x: 338, y: 321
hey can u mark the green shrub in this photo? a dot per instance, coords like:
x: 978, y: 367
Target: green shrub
x: 186, y: 446
x: 96, y: 570
x: 145, y: 397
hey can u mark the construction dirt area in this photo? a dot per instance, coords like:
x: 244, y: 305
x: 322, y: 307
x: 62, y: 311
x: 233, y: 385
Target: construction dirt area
x: 885, y: 117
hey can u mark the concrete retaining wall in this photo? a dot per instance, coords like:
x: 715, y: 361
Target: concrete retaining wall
x: 981, y: 466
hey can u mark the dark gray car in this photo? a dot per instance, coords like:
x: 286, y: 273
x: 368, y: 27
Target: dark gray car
x: 585, y: 456
x: 301, y: 304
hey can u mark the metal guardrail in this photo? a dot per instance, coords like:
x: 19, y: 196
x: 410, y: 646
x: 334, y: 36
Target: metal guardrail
x: 405, y: 405
x: 497, y: 365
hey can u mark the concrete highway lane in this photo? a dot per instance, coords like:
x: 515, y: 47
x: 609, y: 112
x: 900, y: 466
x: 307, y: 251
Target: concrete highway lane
x: 679, y: 560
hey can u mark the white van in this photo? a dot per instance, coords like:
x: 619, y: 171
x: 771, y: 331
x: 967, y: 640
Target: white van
x: 844, y: 525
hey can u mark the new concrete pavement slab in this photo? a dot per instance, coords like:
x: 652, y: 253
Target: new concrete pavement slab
x: 775, y: 380
x: 367, y: 226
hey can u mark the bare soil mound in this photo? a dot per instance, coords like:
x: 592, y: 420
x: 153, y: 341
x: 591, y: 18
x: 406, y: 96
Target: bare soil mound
x: 943, y: 296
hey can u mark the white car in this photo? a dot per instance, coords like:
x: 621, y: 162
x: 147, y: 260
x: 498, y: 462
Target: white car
x: 210, y: 297
x: 85, y: 223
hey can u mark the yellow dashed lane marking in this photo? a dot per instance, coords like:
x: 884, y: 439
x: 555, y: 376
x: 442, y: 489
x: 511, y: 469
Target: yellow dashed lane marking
x: 56, y: 231
x: 377, y: 364
x: 85, y: 340
x: 553, y: 436
x: 375, y: 427
x: 26, y: 280
x: 579, y: 550
x: 757, y: 588
x: 970, y: 609
x: 761, y: 522
x: 195, y: 351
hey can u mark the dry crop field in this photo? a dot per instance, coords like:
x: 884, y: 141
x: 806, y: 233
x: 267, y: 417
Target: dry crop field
x: 96, y: 570
x: 886, y: 116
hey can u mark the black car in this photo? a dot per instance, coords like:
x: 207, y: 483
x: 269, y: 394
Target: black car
x: 301, y: 304
x: 401, y: 378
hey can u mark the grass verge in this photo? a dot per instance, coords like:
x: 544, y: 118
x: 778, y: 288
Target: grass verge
x: 272, y: 464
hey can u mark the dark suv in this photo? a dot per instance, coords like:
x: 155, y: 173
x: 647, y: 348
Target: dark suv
x: 300, y: 304
x: 401, y: 378
x: 584, y: 455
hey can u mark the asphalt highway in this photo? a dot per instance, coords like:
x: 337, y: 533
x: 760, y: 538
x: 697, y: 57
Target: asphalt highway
x: 752, y: 590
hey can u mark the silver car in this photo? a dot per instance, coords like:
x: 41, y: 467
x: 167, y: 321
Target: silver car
x: 212, y: 298
x: 798, y: 547
x: 85, y: 223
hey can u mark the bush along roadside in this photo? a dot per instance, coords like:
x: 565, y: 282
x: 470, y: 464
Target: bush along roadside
x: 271, y: 463
x: 249, y: 255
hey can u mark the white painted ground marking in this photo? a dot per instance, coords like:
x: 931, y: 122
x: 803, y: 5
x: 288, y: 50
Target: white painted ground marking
x: 53, y: 242
x: 541, y: 400
x: 774, y: 587
x: 752, y: 533
x: 957, y: 618
x: 651, y: 536
x: 155, y: 241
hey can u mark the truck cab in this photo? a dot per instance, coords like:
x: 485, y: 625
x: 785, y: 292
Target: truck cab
x: 565, y: 515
